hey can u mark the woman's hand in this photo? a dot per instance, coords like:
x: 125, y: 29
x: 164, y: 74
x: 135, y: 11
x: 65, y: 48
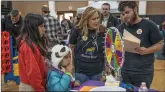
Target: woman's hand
x: 103, y: 78
x: 76, y: 84
x: 107, y: 68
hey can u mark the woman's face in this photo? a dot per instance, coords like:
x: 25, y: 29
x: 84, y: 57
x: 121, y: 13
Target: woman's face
x: 41, y: 29
x: 67, y: 60
x: 93, y: 21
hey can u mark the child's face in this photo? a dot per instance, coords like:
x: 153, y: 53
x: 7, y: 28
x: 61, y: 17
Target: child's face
x: 67, y: 60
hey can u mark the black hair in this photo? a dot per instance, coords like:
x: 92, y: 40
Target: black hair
x: 14, y: 13
x: 130, y: 4
x: 30, y: 33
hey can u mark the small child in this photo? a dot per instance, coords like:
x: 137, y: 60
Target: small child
x: 60, y: 76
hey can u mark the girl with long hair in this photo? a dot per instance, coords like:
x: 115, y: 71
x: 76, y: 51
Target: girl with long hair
x: 31, y: 46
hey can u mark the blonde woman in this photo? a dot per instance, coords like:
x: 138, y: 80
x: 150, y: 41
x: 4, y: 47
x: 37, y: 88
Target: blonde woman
x: 87, y: 41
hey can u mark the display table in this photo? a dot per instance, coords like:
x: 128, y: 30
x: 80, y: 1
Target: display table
x: 99, y: 83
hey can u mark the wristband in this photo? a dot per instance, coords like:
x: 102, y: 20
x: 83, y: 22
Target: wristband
x: 68, y: 73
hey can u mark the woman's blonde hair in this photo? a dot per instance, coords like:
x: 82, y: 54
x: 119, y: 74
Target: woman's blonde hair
x: 83, y: 23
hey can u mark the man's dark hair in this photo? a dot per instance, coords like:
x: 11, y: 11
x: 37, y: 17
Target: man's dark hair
x: 130, y: 4
x: 14, y: 13
x: 106, y: 4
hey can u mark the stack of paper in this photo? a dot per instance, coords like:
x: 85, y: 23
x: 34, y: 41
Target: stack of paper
x: 130, y: 42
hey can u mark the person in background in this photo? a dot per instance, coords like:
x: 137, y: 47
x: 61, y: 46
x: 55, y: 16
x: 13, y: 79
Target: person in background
x: 71, y: 19
x: 32, y: 50
x: 76, y: 20
x: 86, y: 43
x: 163, y: 33
x: 108, y: 20
x: 163, y: 25
x: 66, y: 25
x: 139, y: 67
x: 52, y: 27
x: 12, y: 23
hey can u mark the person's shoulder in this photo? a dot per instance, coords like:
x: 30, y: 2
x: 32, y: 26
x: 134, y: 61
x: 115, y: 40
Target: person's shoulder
x: 76, y: 30
x: 113, y: 16
x: 25, y: 47
x: 52, y: 72
x: 121, y: 25
x: 148, y: 22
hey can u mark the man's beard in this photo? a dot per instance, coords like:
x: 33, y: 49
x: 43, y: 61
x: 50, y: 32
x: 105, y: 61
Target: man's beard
x: 133, y: 19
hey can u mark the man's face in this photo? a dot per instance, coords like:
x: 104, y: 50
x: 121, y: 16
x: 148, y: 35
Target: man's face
x: 15, y: 19
x: 129, y: 15
x: 105, y: 10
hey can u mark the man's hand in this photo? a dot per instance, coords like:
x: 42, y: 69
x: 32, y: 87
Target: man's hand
x: 142, y: 50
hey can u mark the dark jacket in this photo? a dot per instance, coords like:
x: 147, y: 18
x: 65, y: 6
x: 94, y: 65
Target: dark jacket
x: 13, y: 29
x: 112, y: 21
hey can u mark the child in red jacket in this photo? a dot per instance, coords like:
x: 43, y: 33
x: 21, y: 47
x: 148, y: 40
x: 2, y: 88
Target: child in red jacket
x: 31, y: 53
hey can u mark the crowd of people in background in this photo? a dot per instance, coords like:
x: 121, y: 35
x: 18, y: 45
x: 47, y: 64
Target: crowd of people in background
x: 36, y: 35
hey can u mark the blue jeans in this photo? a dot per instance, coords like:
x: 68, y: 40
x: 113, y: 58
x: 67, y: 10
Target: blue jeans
x: 83, y: 78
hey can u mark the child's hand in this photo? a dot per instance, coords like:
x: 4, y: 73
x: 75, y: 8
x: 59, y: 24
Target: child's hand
x: 103, y: 78
x: 69, y: 69
x: 76, y: 84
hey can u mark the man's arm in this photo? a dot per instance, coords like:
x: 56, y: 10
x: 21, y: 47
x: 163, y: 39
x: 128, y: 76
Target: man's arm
x: 155, y: 39
x: 154, y: 48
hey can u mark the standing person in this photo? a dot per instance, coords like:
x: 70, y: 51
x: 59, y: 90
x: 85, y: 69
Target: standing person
x: 52, y: 27
x: 31, y: 52
x: 138, y: 67
x: 87, y: 41
x: 66, y: 26
x: 108, y: 20
x: 12, y: 23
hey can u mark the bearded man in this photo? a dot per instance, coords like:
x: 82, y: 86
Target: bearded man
x: 138, y: 67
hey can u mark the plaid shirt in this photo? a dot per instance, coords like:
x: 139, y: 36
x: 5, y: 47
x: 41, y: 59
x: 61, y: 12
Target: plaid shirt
x: 52, y: 28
